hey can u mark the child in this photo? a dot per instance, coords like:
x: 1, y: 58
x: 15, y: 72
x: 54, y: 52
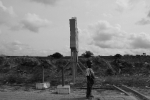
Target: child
x: 90, y: 79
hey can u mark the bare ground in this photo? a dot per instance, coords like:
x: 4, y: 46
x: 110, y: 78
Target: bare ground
x: 30, y: 93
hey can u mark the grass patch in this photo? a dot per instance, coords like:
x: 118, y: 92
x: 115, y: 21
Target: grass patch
x: 136, y: 81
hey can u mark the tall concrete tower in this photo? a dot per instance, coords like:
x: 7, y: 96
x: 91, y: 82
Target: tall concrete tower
x: 74, y: 45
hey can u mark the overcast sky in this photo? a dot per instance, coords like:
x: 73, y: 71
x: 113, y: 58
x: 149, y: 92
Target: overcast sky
x: 106, y: 27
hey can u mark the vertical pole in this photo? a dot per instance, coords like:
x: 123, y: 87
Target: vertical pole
x: 43, y: 73
x: 73, y: 72
x: 63, y: 83
x: 73, y: 45
x: 73, y: 66
x: 75, y: 59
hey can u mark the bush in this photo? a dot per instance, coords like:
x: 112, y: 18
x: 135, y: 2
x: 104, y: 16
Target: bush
x: 135, y: 81
x: 15, y: 78
x: 87, y: 54
x: 7, y: 78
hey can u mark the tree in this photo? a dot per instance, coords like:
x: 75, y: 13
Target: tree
x: 56, y: 55
x: 128, y: 55
x: 2, y: 59
x: 117, y: 56
x: 144, y: 54
x: 87, y: 54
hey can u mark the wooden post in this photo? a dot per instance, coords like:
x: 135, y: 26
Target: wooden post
x: 63, y: 83
x: 74, y: 73
x: 43, y: 73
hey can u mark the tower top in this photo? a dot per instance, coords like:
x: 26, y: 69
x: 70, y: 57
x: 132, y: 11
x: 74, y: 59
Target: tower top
x: 74, y: 18
x: 73, y: 34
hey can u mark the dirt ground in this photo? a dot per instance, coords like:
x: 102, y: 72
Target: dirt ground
x: 30, y: 93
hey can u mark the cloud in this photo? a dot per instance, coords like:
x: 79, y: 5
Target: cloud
x: 103, y: 38
x: 143, y: 21
x: 17, y: 48
x: 46, y: 2
x: 107, y: 15
x: 104, y: 34
x: 33, y: 22
x: 141, y: 40
x: 12, y: 48
x: 84, y: 36
x: 123, y: 5
x: 6, y: 14
x: 141, y: 43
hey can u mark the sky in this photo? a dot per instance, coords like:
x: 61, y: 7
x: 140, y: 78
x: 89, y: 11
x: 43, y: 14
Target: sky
x: 106, y: 27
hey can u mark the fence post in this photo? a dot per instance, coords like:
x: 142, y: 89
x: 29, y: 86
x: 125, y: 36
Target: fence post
x: 63, y: 83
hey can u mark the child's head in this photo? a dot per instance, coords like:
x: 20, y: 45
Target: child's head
x: 89, y: 63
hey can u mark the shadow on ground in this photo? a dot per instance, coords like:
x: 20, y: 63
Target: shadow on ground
x: 79, y: 98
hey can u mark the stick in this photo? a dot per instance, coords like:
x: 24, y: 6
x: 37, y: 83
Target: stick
x: 81, y: 69
x: 82, y: 64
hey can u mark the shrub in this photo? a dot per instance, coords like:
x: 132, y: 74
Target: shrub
x: 135, y: 81
x: 8, y: 78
